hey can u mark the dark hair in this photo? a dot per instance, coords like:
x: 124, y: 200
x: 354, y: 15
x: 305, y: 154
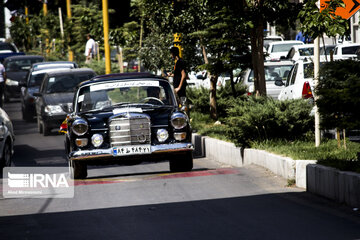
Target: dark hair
x: 175, y: 51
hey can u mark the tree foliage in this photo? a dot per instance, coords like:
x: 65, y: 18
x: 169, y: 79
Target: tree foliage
x: 315, y: 23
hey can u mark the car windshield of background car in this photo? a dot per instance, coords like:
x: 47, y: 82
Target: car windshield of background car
x: 20, y: 64
x: 349, y: 50
x: 123, y: 93
x: 306, y: 51
x: 283, y: 47
x: 273, y: 72
x: 6, y: 47
x: 66, y: 83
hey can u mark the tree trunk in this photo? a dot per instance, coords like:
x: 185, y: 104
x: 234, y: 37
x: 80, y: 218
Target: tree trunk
x: 213, y: 109
x: 257, y: 54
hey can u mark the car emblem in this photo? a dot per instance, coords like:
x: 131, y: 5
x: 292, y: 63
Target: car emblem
x: 141, y: 138
x: 117, y: 127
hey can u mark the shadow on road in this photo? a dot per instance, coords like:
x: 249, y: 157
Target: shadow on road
x: 269, y: 216
x: 26, y: 155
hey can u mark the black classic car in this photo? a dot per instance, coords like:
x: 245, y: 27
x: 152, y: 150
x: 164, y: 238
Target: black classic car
x: 32, y: 82
x: 54, y: 99
x: 126, y: 119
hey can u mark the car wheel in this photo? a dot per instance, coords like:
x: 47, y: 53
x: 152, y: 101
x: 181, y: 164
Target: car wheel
x: 77, y: 170
x: 45, y: 129
x: 40, y: 129
x: 181, y: 163
x: 6, y: 156
x: 26, y: 115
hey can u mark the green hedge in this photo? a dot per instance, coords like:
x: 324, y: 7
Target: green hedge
x: 257, y: 119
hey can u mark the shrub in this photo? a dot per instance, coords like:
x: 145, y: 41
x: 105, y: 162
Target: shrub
x: 264, y: 118
x: 339, y: 90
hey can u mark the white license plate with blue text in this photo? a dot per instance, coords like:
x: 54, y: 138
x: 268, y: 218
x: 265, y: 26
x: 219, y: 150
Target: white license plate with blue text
x: 131, y: 150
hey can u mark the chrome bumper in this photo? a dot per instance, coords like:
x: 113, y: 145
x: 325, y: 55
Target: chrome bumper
x: 108, y: 153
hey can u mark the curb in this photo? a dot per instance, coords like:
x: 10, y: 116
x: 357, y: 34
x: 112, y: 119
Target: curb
x: 343, y: 187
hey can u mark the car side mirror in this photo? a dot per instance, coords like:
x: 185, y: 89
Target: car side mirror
x: 279, y: 82
x: 37, y: 94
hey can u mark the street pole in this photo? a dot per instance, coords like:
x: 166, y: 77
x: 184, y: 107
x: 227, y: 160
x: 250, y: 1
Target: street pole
x: 68, y: 11
x: 61, y: 24
x: 47, y: 50
x: 106, y: 36
x: 316, y: 80
x: 27, y: 15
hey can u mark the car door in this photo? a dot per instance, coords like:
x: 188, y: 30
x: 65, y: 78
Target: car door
x: 40, y: 99
x: 287, y: 91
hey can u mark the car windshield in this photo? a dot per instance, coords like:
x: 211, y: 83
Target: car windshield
x: 36, y: 79
x: 7, y: 47
x: 306, y: 51
x: 273, y: 73
x: 66, y: 82
x: 124, y: 93
x: 284, y: 47
x: 20, y: 64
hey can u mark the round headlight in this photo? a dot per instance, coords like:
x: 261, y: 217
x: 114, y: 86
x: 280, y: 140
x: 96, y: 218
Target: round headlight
x: 178, y: 120
x: 80, y: 127
x: 97, y: 140
x: 162, y: 135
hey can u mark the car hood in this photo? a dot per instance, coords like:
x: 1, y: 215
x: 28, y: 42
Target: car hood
x: 17, y: 76
x: 159, y: 116
x: 58, y: 98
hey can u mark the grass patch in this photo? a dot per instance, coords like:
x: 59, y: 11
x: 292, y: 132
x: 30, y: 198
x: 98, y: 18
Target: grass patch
x: 204, y: 125
x: 327, y: 153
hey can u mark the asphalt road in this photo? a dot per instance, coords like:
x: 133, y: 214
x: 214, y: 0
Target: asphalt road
x: 148, y: 202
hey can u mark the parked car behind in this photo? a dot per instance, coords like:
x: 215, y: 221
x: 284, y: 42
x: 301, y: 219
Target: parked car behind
x: 279, y: 49
x: 299, y: 83
x: 54, y: 99
x: 17, y: 67
x: 7, y: 138
x: 278, y: 70
x: 127, y: 118
x: 32, y: 84
x: 345, y: 51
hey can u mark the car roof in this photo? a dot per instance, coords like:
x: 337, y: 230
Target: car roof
x: 56, y: 72
x: 122, y: 76
x: 46, y: 70
x: 278, y: 63
x: 286, y: 42
x: 348, y: 45
x: 24, y: 57
x: 54, y: 62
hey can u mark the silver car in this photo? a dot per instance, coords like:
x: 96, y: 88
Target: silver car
x: 278, y: 70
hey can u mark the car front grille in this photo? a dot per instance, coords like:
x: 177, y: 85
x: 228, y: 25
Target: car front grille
x: 130, y: 129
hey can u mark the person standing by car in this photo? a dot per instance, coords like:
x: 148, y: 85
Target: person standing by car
x: 2, y: 83
x: 89, y: 48
x: 179, y: 75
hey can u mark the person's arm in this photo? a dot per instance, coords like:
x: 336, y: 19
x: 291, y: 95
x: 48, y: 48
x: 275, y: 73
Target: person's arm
x: 183, y: 77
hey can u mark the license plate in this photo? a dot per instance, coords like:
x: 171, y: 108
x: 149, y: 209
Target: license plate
x: 131, y: 150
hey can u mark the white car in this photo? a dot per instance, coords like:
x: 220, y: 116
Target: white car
x: 299, y: 83
x: 345, y: 51
x: 298, y: 52
x: 273, y: 71
x: 279, y: 49
x: 270, y: 39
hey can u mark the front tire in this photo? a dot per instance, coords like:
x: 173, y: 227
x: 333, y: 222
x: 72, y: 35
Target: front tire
x: 78, y: 170
x: 45, y: 129
x: 181, y: 163
x: 6, y: 156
